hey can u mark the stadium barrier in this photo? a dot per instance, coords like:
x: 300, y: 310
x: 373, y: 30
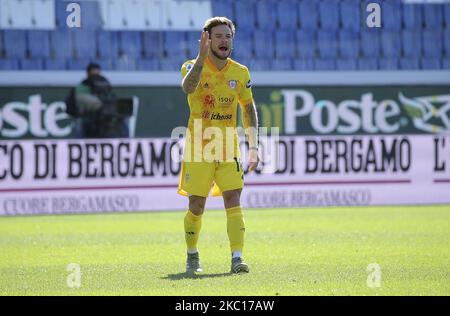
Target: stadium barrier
x: 39, y: 112
x: 84, y: 176
x: 382, y: 140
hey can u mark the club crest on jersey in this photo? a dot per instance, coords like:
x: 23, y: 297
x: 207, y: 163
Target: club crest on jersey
x: 206, y: 85
x: 189, y: 66
x: 232, y: 84
x: 209, y: 101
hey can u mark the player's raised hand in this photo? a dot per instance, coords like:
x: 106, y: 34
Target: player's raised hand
x: 253, y: 159
x: 203, y: 46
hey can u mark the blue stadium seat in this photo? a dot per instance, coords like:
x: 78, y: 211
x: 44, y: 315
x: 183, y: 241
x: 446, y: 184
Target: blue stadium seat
x: 130, y: 45
x: 32, y: 64
x: 446, y: 63
x: 266, y: 15
x: 412, y: 16
x: 192, y: 44
x: 409, y: 63
x: 243, y: 45
x: 391, y: 44
x: 285, y: 44
x: 81, y: 64
x: 329, y: 15
x: 412, y: 43
x: 327, y: 44
x: 175, y: 44
x: 346, y: 64
x: 148, y: 64
x: 154, y: 44
x: 77, y: 64
x: 432, y: 43
x: 308, y: 14
x: 305, y: 64
x: 84, y: 44
x: 287, y: 14
x: 388, y: 48
x: 324, y: 64
x: 388, y: 64
x: 223, y: 8
x: 55, y: 64
x: 241, y: 56
x: 430, y: 63
x: 370, y: 43
x: 350, y: 13
x: 15, y: 43
x: 91, y: 18
x: 171, y: 64
x: 125, y: 63
x: 1, y: 44
x: 9, y: 64
x: 282, y: 64
x: 244, y: 61
x: 447, y: 42
x: 367, y: 64
x: 391, y: 12
x: 433, y: 16
x: 306, y: 43
x: 259, y: 65
x: 263, y: 44
x: 245, y: 14
x: 105, y: 64
x: 61, y: 14
x: 39, y: 44
x: 107, y: 44
x: 447, y: 15
x: 349, y: 43
x: 61, y: 44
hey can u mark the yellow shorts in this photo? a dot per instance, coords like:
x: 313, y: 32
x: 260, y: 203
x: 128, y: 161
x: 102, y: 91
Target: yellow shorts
x: 197, y: 178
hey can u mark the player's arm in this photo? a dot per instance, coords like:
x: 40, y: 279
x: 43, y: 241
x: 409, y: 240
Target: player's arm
x: 250, y: 122
x: 192, y: 78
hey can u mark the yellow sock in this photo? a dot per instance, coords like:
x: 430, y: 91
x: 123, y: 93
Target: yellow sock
x: 236, y: 228
x: 192, y: 226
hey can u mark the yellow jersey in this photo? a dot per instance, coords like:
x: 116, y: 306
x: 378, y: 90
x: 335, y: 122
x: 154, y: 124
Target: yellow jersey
x: 214, y: 104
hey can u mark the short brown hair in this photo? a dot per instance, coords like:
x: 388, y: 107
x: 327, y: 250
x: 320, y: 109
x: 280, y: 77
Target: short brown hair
x: 218, y: 20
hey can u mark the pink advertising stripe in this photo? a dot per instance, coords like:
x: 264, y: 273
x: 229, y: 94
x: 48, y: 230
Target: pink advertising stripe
x: 337, y: 182
x: 112, y: 187
x: 163, y: 186
x: 441, y: 180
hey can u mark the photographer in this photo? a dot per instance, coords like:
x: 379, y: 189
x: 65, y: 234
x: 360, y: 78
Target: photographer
x: 93, y: 105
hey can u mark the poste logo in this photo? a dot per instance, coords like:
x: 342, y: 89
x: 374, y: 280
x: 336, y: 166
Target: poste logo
x: 35, y: 118
x: 428, y: 113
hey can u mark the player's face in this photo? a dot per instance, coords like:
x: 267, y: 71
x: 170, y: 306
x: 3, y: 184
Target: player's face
x: 221, y: 41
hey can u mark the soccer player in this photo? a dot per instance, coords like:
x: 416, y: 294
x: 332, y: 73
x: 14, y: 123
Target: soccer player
x: 215, y: 84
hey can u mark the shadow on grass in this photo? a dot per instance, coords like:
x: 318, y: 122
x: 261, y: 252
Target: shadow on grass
x: 185, y: 275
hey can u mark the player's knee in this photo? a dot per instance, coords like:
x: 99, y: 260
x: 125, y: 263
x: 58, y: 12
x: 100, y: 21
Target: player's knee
x: 197, y: 204
x: 231, y: 198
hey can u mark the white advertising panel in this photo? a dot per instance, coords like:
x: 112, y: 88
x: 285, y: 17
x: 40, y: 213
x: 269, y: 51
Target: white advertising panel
x: 113, y: 175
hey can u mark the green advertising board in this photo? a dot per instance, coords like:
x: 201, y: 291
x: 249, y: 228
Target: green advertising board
x: 39, y: 112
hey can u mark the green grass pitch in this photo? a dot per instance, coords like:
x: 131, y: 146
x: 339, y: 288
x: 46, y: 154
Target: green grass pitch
x: 310, y: 251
